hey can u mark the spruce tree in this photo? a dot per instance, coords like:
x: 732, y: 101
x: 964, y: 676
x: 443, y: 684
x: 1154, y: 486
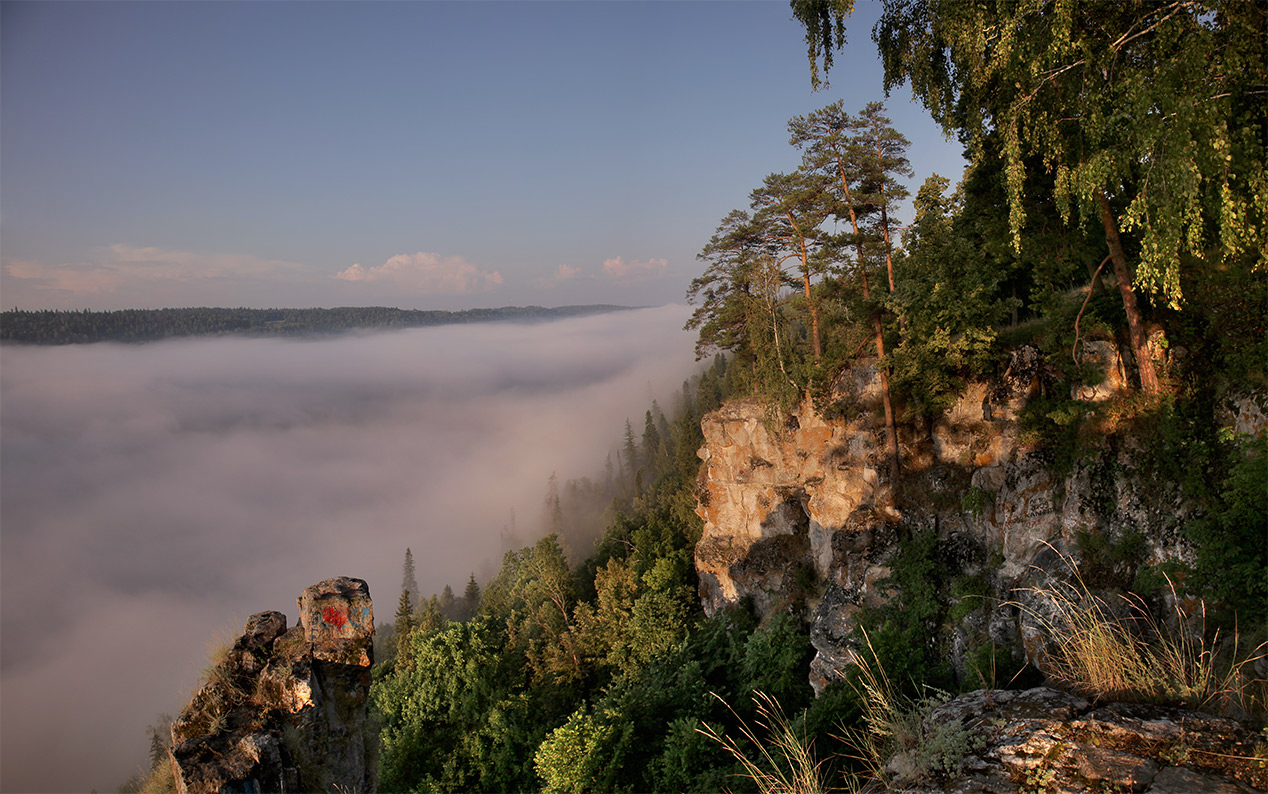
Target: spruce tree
x: 409, y: 582
x: 429, y: 616
x: 449, y: 604
x: 471, y: 597
x: 404, y: 623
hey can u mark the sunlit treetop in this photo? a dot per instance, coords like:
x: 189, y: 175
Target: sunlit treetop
x: 1157, y: 105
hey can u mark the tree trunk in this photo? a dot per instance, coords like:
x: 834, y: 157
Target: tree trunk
x: 1135, y: 325
x: 805, y: 280
x: 891, y: 429
x: 889, y: 261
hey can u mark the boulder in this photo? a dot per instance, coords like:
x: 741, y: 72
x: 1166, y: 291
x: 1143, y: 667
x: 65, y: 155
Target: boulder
x: 286, y: 710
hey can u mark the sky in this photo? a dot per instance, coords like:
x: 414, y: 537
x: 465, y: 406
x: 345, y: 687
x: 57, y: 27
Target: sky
x: 154, y: 496
x: 413, y: 154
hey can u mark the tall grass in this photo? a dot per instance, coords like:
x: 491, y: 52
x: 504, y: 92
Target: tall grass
x: 785, y: 762
x: 896, y: 743
x: 1118, y: 650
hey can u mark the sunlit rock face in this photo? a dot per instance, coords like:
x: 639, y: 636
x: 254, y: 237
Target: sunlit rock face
x: 799, y: 513
x: 286, y: 709
x: 774, y: 490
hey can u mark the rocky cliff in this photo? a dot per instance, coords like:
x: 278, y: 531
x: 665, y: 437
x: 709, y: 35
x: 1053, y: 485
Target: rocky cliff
x: 800, y: 516
x: 799, y: 510
x: 286, y: 709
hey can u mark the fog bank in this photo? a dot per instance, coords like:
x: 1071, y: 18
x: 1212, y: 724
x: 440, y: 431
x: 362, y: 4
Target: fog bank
x: 152, y: 496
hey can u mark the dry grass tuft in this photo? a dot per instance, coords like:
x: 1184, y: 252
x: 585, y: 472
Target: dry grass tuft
x: 896, y: 744
x: 1126, y: 654
x: 786, y: 762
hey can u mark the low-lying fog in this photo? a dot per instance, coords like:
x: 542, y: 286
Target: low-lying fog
x: 154, y: 496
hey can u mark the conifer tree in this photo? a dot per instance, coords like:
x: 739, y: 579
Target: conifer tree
x: 471, y: 597
x: 651, y: 439
x: 837, y: 145
x: 409, y: 582
x: 631, y: 451
x: 429, y: 615
x: 553, y: 510
x: 404, y: 624
x: 449, y: 604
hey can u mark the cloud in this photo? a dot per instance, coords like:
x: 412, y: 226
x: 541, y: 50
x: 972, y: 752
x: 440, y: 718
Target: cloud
x: 426, y: 272
x: 562, y: 273
x: 632, y: 272
x: 123, y: 267
x: 153, y: 495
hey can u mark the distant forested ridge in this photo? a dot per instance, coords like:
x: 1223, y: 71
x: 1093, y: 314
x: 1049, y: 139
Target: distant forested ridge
x: 147, y: 325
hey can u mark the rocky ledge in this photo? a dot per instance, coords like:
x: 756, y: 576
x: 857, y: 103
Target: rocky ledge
x: 1045, y: 740
x: 286, y: 709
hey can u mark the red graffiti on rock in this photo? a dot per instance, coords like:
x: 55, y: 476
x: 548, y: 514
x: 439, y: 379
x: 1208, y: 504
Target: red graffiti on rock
x: 334, y: 616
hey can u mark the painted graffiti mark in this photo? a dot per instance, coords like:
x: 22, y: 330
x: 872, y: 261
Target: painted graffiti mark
x: 334, y: 616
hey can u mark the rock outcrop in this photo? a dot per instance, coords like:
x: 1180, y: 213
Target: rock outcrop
x: 1051, y: 741
x: 286, y: 709
x: 798, y: 508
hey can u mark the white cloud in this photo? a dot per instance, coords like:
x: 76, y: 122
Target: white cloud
x: 121, y: 267
x: 624, y: 272
x: 426, y: 272
x: 562, y: 273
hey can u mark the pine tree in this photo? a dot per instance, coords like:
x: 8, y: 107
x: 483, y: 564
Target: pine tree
x: 553, y: 511
x: 429, y: 615
x: 449, y: 604
x: 471, y: 597
x: 631, y: 450
x: 404, y: 623
x: 409, y: 582
x: 651, y: 440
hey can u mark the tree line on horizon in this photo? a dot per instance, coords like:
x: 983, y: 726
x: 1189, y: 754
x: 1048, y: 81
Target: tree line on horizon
x: 56, y: 327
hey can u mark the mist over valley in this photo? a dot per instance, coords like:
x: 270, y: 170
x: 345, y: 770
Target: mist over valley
x: 156, y: 495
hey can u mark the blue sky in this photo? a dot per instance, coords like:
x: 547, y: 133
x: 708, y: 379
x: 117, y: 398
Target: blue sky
x: 428, y: 154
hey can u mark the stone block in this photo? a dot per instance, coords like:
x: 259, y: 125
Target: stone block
x: 338, y: 619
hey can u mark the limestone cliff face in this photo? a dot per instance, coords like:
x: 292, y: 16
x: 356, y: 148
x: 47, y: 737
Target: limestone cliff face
x: 799, y: 506
x: 286, y: 710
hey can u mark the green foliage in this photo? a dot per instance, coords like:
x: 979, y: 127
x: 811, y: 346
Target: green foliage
x: 776, y: 659
x: 690, y: 761
x: 1151, y: 102
x: 825, y: 32
x: 572, y: 758
x: 967, y: 595
x: 1055, y: 425
x: 976, y: 500
x: 898, y: 744
x: 1110, y: 564
x: 576, y: 676
x: 1232, y: 560
x: 904, y: 632
x: 950, y: 303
